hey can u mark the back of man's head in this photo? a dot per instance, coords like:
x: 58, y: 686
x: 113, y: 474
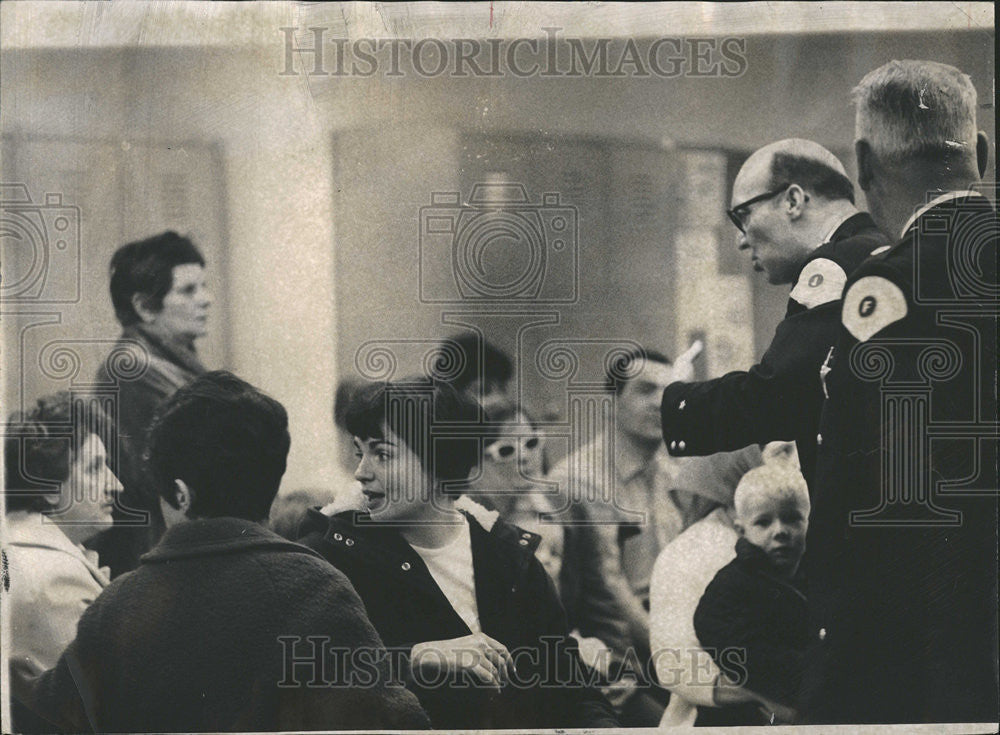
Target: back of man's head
x: 227, y: 441
x: 912, y: 111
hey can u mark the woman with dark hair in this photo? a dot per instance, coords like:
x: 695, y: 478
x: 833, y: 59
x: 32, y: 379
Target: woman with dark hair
x: 58, y: 491
x: 456, y: 591
x: 160, y: 298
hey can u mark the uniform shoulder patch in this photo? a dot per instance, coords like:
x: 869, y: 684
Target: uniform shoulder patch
x: 871, y: 304
x: 821, y: 281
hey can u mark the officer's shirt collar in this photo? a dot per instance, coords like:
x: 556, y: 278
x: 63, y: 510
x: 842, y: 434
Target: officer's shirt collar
x: 946, y: 197
x: 836, y: 226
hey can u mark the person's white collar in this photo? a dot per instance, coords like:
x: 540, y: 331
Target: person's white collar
x: 947, y: 196
x: 836, y: 226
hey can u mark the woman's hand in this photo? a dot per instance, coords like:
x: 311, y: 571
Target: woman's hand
x: 485, y: 658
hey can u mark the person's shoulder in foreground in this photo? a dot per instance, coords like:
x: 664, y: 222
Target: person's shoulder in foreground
x: 225, y: 625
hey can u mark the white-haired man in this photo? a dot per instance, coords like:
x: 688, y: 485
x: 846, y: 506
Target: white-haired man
x: 793, y: 205
x: 902, y: 545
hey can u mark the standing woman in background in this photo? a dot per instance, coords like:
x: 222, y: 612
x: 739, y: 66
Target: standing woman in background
x: 160, y: 298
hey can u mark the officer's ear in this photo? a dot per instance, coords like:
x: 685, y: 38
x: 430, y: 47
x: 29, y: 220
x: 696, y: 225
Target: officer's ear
x: 982, y: 152
x: 865, y: 157
x: 795, y: 198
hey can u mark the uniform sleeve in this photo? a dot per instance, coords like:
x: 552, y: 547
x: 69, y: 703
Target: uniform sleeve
x: 777, y: 399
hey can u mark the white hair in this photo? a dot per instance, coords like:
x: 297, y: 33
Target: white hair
x: 772, y: 481
x: 911, y: 108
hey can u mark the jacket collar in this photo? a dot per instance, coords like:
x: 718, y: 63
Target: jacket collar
x: 27, y: 529
x: 178, y: 352
x: 355, y: 534
x: 946, y: 197
x: 846, y: 229
x: 214, y: 536
x: 753, y: 558
x: 852, y: 226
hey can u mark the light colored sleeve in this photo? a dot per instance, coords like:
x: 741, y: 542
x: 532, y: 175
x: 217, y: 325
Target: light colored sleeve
x: 609, y: 552
x: 679, y: 579
x: 49, y: 591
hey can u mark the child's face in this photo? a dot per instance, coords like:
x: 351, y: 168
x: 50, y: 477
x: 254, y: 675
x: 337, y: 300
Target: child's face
x: 776, y: 524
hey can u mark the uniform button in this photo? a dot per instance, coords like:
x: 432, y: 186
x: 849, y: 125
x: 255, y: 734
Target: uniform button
x: 681, y: 405
x: 819, y: 438
x: 822, y: 634
x: 337, y: 537
x: 349, y: 542
x: 681, y: 446
x: 405, y: 566
x: 523, y: 542
x: 525, y: 535
x: 673, y: 445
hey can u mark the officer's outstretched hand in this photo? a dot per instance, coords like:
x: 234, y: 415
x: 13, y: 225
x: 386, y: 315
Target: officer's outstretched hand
x: 683, y: 367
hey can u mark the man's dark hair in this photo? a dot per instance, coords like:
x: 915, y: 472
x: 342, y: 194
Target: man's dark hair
x: 40, y: 444
x: 619, y: 370
x: 415, y: 412
x: 496, y: 367
x: 146, y: 267
x: 226, y: 440
x: 810, y: 174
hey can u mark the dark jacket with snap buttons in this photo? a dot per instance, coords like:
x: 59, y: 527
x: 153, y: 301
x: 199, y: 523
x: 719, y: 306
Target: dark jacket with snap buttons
x: 517, y: 605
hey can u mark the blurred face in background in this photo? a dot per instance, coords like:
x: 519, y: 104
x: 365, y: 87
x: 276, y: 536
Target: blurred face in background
x: 638, y: 402
x: 514, y: 461
x: 185, y: 307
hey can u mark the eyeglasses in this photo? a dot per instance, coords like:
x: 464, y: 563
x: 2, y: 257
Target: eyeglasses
x: 737, y: 213
x: 502, y: 451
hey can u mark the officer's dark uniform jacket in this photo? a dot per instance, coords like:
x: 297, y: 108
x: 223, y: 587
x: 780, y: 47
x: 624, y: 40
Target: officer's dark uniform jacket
x: 780, y: 398
x: 517, y: 604
x: 904, y: 599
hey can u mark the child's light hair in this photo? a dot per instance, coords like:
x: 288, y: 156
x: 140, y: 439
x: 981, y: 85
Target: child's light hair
x: 772, y: 481
x: 916, y: 108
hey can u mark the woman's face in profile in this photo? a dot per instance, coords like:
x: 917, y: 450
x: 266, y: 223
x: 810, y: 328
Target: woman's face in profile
x: 87, y: 495
x: 185, y: 307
